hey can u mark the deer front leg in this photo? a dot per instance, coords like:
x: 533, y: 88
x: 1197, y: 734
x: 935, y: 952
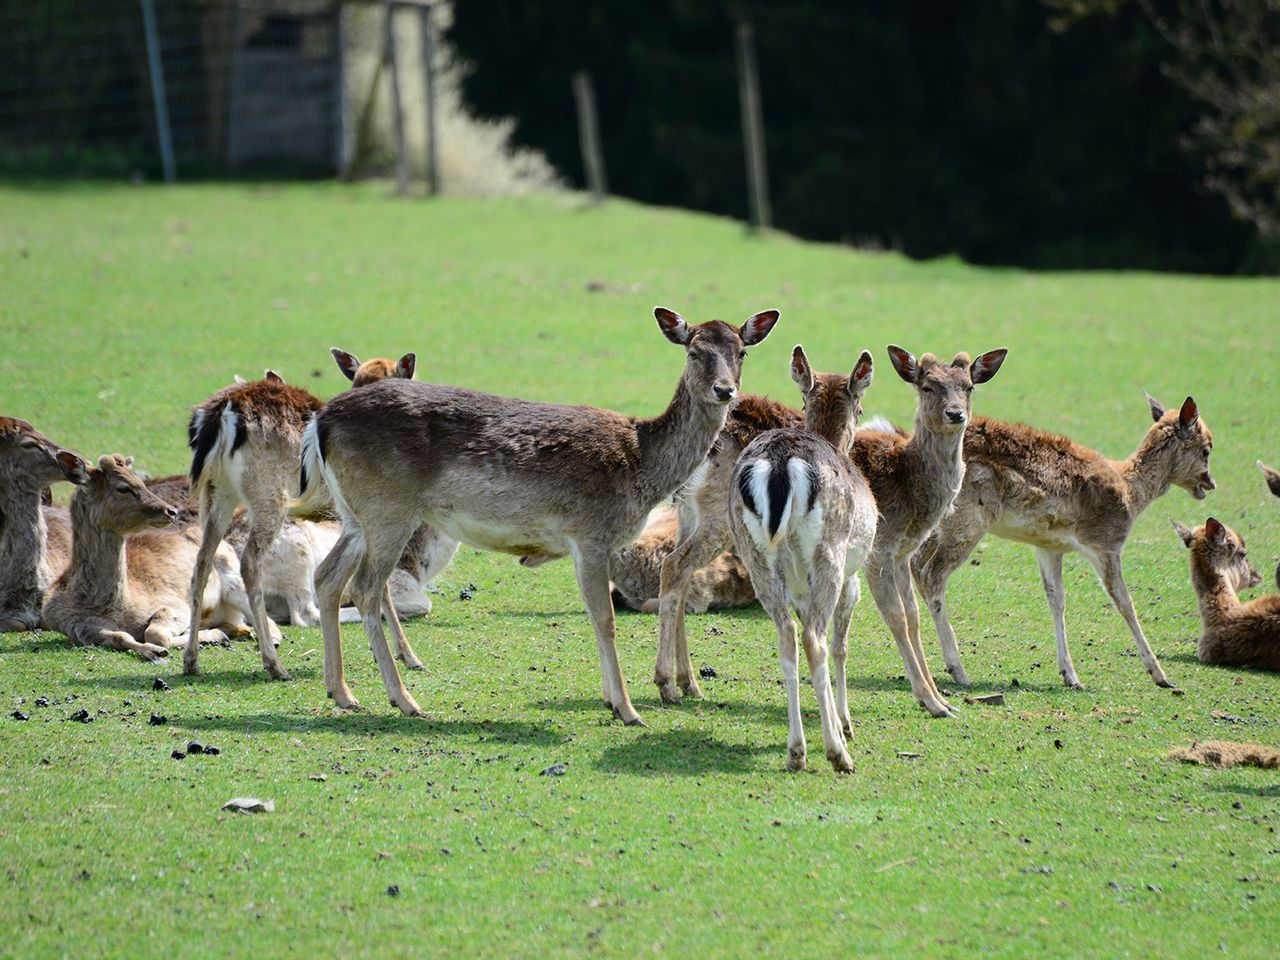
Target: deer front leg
x: 1055, y: 594
x: 882, y: 580
x: 330, y: 581
x: 698, y: 548
x: 592, y: 569
x: 933, y: 565
x: 1109, y: 570
x: 216, y: 507
x: 403, y: 651
x: 265, y: 526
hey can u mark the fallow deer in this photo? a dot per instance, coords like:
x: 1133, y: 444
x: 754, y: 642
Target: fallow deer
x: 915, y: 481
x: 803, y: 521
x: 1058, y: 496
x: 1235, y: 634
x: 371, y: 371
x: 532, y: 479
x: 1273, y: 484
x: 29, y: 462
x: 636, y: 572
x: 124, y: 587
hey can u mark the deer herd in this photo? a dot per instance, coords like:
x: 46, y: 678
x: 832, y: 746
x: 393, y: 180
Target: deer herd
x: 344, y: 511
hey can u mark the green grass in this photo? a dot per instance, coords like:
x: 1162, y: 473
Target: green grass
x: 121, y: 307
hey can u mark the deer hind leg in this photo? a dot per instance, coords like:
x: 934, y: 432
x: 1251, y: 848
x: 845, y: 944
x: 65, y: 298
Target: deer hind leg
x: 1110, y: 572
x: 217, y: 504
x: 815, y: 614
x: 592, y: 568
x: 774, y: 600
x: 933, y: 564
x: 850, y: 593
x: 404, y: 652
x: 883, y: 581
x: 101, y: 633
x: 369, y: 587
x: 330, y: 581
x: 265, y: 520
x: 697, y: 545
x: 1050, y: 563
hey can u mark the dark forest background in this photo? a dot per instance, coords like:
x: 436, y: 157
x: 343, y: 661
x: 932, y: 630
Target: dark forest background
x: 995, y: 129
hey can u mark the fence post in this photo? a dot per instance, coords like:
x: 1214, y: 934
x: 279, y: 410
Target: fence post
x: 429, y: 96
x: 752, y: 128
x: 584, y: 96
x: 397, y: 112
x: 344, y: 140
x: 158, y: 94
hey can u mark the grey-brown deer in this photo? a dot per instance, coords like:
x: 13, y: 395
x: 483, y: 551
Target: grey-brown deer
x: 1235, y: 634
x: 915, y: 481
x: 803, y: 521
x: 1060, y: 497
x: 536, y: 480
x: 29, y: 462
x: 125, y: 587
x: 1273, y: 484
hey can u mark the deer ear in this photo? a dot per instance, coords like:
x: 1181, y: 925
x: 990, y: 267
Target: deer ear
x: 346, y: 362
x: 128, y: 461
x: 1215, y: 531
x: 1156, y: 407
x: 73, y: 468
x: 1188, y: 415
x: 240, y: 379
x: 405, y: 366
x: 672, y: 325
x: 757, y: 327
x: 904, y: 363
x: 801, y: 372
x: 860, y: 379
x: 985, y: 367
x: 271, y: 376
x: 1184, y: 532
x: 1273, y: 478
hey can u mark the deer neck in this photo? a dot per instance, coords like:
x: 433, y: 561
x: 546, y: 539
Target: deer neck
x: 673, y: 444
x: 1213, y: 592
x: 940, y: 457
x: 22, y: 540
x: 98, y: 579
x: 1146, y: 472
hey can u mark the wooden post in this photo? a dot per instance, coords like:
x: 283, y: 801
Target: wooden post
x: 397, y: 111
x: 158, y: 95
x: 429, y: 96
x: 589, y: 136
x: 752, y: 128
x: 344, y: 140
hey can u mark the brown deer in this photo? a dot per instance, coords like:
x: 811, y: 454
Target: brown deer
x: 636, y: 572
x: 1235, y: 634
x: 702, y: 509
x: 124, y: 588
x: 371, y: 371
x: 246, y: 442
x: 1273, y: 484
x: 915, y: 481
x: 536, y: 480
x: 803, y: 521
x: 1057, y: 496
x: 29, y: 462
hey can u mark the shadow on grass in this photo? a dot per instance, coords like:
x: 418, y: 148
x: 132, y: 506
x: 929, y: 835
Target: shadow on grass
x: 1272, y: 791
x: 213, y: 678
x: 687, y: 753
x: 364, y: 723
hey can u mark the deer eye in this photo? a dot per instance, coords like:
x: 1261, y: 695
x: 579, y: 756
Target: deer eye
x: 124, y: 489
x: 742, y: 355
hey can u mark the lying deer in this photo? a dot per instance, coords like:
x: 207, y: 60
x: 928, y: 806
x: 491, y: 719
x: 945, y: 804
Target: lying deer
x: 1235, y: 634
x: 536, y: 480
x: 915, y: 481
x: 29, y: 462
x: 1273, y: 483
x: 636, y: 572
x: 803, y: 521
x: 1058, y: 496
x: 128, y: 594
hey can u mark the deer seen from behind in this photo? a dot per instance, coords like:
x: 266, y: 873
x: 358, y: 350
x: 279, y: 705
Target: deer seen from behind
x: 1060, y: 497
x: 803, y: 521
x: 536, y: 480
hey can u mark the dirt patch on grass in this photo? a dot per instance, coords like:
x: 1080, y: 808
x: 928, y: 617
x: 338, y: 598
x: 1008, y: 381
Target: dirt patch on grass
x: 1226, y: 753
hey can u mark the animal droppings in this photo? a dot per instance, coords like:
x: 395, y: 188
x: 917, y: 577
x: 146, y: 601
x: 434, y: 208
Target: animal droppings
x: 19, y: 715
x: 464, y: 594
x: 195, y: 747
x: 42, y: 701
x: 158, y: 720
x: 393, y: 890
x: 555, y: 770
x: 159, y: 684
x: 178, y: 755
x: 707, y: 673
x: 211, y: 751
x: 81, y: 716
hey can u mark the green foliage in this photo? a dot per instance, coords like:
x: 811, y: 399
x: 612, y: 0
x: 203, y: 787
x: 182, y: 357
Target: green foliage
x: 120, y: 307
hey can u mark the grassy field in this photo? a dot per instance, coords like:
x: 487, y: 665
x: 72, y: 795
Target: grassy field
x: 1053, y: 825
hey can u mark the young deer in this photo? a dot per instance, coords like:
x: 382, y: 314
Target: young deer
x: 803, y: 521
x: 29, y: 462
x: 1273, y: 484
x: 1058, y: 496
x: 536, y: 480
x: 371, y: 371
x: 702, y: 509
x: 1235, y: 634
x: 636, y: 572
x: 128, y: 594
x: 246, y: 441
x: 915, y: 481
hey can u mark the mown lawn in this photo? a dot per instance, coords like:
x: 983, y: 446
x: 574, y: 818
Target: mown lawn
x: 1053, y: 826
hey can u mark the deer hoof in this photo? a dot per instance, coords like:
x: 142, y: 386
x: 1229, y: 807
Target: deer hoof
x: 796, y: 760
x: 959, y: 676
x: 668, y: 691
x: 691, y: 688
x: 840, y: 761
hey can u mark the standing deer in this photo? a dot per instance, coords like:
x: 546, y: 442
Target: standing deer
x: 1058, y: 496
x: 1235, y: 634
x: 124, y: 587
x: 803, y: 521
x: 29, y: 462
x: 915, y: 481
x: 536, y: 480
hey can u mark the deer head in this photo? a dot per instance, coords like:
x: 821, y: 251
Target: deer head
x: 373, y: 370
x: 1190, y: 444
x: 944, y: 391
x: 29, y: 460
x: 116, y: 499
x: 714, y: 351
x: 1218, y: 549
x: 832, y: 401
